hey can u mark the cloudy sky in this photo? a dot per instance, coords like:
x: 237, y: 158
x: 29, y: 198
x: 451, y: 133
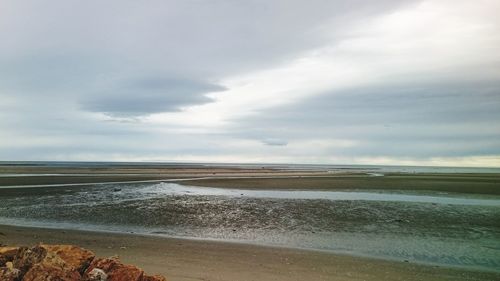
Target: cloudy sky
x: 280, y: 81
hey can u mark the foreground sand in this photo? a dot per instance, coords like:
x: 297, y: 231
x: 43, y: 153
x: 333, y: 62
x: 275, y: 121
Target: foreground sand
x: 181, y: 259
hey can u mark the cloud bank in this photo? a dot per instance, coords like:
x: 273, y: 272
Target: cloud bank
x: 392, y: 82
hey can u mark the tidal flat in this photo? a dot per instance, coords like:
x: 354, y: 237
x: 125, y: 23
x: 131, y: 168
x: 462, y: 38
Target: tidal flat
x: 433, y: 220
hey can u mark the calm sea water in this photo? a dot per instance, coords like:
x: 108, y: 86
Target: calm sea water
x: 458, y: 230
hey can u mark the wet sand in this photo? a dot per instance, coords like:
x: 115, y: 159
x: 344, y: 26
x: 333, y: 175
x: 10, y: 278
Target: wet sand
x: 48, y: 175
x: 453, y: 183
x: 183, y: 260
x: 254, y: 178
x: 442, y: 230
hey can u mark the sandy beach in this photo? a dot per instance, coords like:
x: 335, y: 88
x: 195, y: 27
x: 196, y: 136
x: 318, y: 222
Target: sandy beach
x: 186, y: 260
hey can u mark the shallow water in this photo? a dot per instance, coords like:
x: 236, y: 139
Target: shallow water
x: 440, y: 198
x: 431, y: 228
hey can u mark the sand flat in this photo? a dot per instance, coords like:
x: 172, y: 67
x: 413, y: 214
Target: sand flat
x: 188, y: 259
x: 455, y: 183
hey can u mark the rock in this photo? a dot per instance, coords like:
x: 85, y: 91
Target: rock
x: 62, y: 261
x: 9, y: 273
x: 48, y: 262
x: 7, y: 254
x: 115, y: 270
x: 75, y: 257
x: 96, y: 274
x: 65, y: 263
x: 53, y: 268
x: 27, y: 257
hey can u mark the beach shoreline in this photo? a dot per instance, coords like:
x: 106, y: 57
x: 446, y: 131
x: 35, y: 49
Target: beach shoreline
x: 189, y: 259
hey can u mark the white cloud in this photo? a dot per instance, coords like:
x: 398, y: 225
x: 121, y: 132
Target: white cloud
x: 429, y: 41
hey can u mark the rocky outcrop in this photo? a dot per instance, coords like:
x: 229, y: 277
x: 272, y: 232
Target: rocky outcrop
x: 64, y: 263
x: 115, y: 270
x: 9, y: 273
x: 7, y: 254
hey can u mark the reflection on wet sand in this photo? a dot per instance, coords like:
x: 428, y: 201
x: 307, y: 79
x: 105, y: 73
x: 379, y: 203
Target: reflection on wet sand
x: 461, y: 230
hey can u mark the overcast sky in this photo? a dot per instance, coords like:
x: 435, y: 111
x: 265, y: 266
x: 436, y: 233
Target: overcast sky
x: 275, y: 81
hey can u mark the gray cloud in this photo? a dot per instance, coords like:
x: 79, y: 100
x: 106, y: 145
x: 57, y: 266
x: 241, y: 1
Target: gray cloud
x: 53, y: 49
x: 189, y: 38
x: 275, y: 142
x: 150, y: 95
x: 404, y: 120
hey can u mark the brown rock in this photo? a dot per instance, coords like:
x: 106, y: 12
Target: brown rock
x: 43, y: 272
x: 9, y: 273
x: 27, y: 257
x: 52, y: 267
x: 7, y: 254
x: 96, y: 274
x: 64, y: 263
x: 115, y: 270
x: 77, y: 258
x: 127, y: 272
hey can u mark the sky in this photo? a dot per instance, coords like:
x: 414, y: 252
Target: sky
x: 384, y: 82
